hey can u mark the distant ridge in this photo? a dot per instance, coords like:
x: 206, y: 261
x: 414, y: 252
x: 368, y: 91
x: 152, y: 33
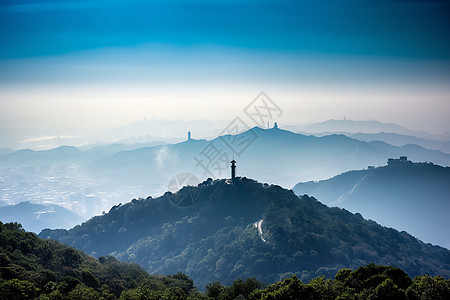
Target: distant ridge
x: 370, y: 126
x: 36, y: 217
x: 408, y: 196
x: 114, y: 174
x: 396, y: 139
x: 287, y: 156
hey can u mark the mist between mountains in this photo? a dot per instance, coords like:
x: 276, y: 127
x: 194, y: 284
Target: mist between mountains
x: 214, y: 158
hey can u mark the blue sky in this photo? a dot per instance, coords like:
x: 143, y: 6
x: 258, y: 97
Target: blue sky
x: 388, y: 28
x: 60, y: 60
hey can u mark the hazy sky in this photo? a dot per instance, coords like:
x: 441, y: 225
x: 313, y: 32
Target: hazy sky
x: 82, y: 64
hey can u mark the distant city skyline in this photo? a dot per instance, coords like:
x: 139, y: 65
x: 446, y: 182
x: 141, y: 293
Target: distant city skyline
x: 69, y: 67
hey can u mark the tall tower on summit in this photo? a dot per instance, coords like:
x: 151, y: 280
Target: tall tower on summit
x: 233, y: 169
x: 189, y: 136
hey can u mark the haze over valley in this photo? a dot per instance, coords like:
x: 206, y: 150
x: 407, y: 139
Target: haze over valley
x: 92, y: 179
x: 224, y: 149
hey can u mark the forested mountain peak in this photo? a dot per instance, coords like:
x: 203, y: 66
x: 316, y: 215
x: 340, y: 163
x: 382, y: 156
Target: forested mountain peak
x: 227, y: 229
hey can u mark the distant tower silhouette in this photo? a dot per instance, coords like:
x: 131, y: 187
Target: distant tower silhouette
x: 189, y: 135
x: 275, y: 125
x: 233, y: 169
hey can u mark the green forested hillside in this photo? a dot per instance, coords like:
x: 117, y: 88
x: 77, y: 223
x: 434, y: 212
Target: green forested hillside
x: 247, y: 229
x: 31, y: 268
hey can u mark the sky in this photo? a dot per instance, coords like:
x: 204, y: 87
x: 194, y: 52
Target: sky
x: 69, y: 66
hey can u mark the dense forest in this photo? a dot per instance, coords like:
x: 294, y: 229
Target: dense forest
x: 223, y: 230
x: 33, y: 268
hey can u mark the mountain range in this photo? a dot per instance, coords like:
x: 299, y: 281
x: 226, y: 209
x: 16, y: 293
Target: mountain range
x: 100, y: 177
x: 372, y: 130
x: 396, y: 139
x: 286, y: 156
x: 228, y: 229
x: 407, y: 196
x: 369, y: 127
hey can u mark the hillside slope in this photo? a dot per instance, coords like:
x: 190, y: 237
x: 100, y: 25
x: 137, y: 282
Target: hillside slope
x: 223, y: 230
x: 32, y: 268
x: 412, y: 196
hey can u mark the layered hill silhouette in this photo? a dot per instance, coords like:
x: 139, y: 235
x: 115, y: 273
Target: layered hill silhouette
x: 407, y: 196
x: 223, y: 230
x: 368, y: 127
x: 275, y: 155
x: 396, y: 139
x: 36, y: 217
x: 116, y: 173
